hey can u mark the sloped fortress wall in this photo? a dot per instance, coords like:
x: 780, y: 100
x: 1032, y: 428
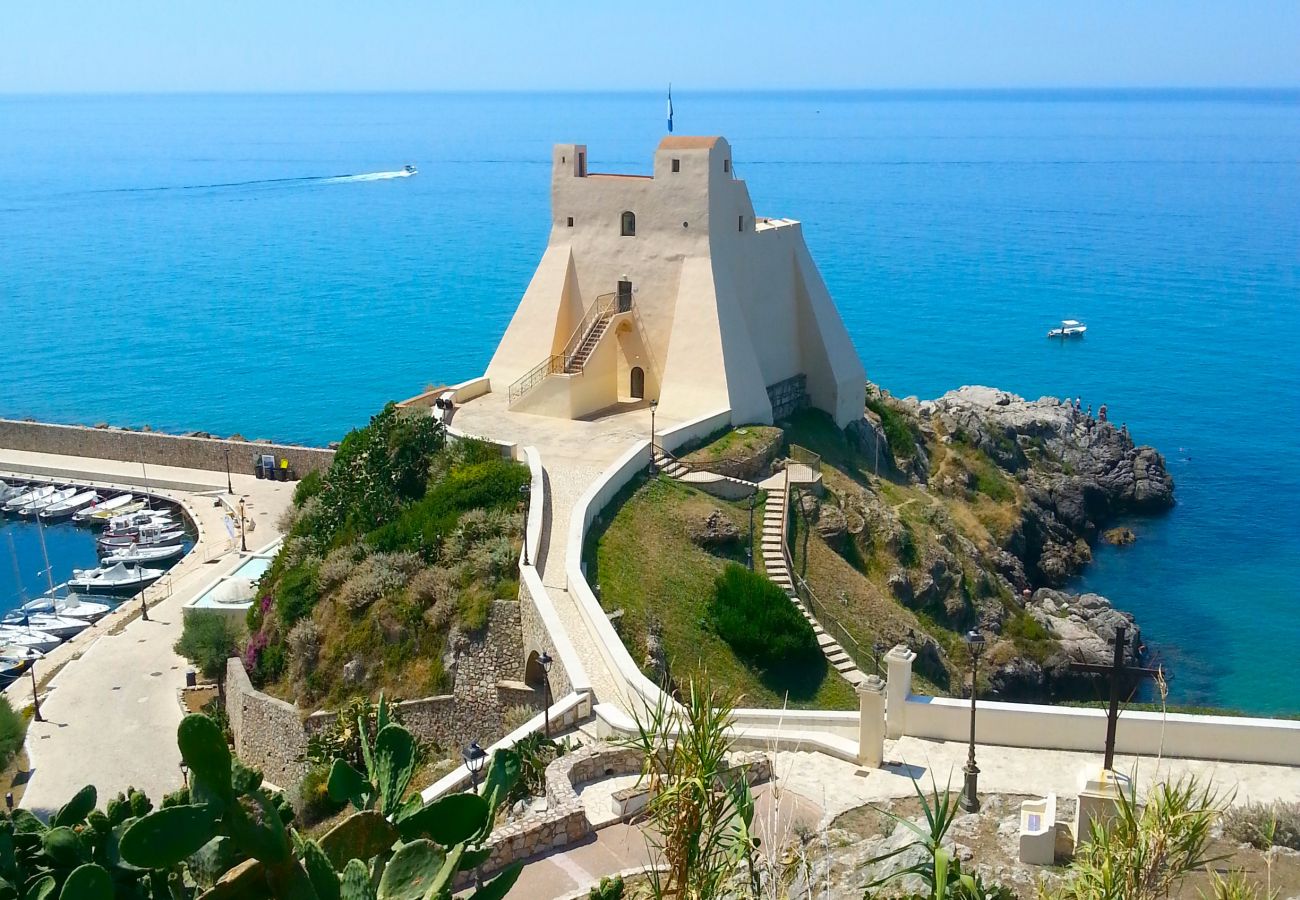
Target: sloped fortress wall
x: 723, y: 304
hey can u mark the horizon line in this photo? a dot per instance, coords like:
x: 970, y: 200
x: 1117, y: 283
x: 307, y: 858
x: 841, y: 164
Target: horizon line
x: 1200, y: 90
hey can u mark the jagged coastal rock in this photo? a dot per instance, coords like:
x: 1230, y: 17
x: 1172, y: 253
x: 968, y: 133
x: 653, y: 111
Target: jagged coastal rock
x: 1077, y: 475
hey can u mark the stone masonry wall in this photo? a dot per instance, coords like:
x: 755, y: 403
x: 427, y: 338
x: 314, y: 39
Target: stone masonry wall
x: 272, y: 734
x: 535, y: 639
x: 155, y: 448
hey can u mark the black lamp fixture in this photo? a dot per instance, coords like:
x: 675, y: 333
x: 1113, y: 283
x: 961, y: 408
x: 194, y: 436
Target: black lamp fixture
x: 525, y: 491
x: 475, y: 758
x: 969, y: 799
x: 545, y: 662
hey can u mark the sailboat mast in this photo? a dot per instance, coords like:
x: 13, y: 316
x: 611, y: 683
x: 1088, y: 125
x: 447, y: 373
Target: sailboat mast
x: 49, y: 569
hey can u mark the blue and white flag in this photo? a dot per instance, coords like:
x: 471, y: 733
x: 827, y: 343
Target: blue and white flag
x: 670, y: 109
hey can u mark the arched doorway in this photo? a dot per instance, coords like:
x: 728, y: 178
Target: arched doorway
x: 534, y: 674
x: 637, y: 386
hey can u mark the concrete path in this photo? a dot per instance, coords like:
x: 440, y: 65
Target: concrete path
x: 112, y: 708
x: 839, y: 786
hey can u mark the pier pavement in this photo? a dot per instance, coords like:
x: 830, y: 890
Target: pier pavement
x: 113, y: 703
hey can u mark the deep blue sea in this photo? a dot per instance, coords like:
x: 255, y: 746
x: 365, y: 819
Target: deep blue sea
x: 196, y: 262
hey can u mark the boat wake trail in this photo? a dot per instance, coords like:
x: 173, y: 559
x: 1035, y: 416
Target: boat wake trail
x: 301, y: 180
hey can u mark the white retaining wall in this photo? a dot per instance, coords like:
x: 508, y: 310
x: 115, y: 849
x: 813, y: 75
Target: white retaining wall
x: 1228, y: 738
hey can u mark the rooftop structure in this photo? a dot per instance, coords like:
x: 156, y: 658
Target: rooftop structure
x: 669, y: 287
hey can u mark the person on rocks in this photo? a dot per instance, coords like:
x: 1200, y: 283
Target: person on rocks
x: 1101, y: 412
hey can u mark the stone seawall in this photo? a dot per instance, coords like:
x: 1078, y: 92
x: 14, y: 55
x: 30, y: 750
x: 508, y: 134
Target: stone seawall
x: 155, y: 448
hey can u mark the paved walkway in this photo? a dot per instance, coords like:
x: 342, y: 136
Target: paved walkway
x: 574, y: 454
x: 112, y: 709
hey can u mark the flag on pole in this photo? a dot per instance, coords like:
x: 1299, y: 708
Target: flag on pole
x: 670, y: 108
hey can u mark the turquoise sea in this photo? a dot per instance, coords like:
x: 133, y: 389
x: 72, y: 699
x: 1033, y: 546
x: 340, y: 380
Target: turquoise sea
x: 196, y: 262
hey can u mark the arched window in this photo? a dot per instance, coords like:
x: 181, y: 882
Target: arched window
x: 629, y: 224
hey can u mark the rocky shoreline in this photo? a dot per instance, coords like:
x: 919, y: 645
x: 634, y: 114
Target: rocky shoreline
x: 1076, y: 476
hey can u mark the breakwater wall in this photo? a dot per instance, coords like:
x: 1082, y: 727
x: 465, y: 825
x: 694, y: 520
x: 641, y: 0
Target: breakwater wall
x: 155, y: 448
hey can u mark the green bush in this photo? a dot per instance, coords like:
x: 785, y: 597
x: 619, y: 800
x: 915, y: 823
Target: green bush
x: 990, y: 482
x: 314, y: 802
x: 755, y: 617
x: 13, y: 730
x: 898, y: 431
x: 308, y: 486
x: 1264, y: 825
x: 207, y: 640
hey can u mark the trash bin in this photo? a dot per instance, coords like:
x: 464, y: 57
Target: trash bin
x: 257, y: 467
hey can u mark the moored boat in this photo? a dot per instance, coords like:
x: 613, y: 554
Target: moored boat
x: 18, y: 636
x: 33, y: 508
x: 114, y: 579
x: 113, y: 504
x: 62, y: 627
x: 76, y: 606
x: 102, y: 516
x: 65, y: 508
x: 150, y: 535
x: 127, y: 528
x: 27, y: 497
x: 135, y: 554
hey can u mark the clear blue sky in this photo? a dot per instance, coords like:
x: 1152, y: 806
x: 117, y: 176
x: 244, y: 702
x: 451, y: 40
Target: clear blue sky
x: 325, y: 45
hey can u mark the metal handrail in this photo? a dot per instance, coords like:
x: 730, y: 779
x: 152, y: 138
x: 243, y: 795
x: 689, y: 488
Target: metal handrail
x: 599, y: 308
x: 557, y: 364
x: 819, y: 610
x: 534, y: 376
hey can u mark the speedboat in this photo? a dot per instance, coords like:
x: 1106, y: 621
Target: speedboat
x: 150, y: 535
x: 127, y: 528
x: 67, y: 507
x: 27, y: 497
x: 116, y: 579
x: 1070, y: 328
x: 135, y: 554
x: 58, y: 496
x: 113, y: 504
x: 73, y: 606
x: 28, y: 637
x: 410, y: 170
x: 62, y: 627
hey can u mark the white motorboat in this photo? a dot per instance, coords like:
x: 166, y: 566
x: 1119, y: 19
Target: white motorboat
x: 28, y: 637
x: 58, y: 496
x: 113, y: 504
x: 29, y: 496
x: 149, y: 536
x: 116, y: 579
x: 103, y: 516
x: 62, y: 627
x: 1070, y: 328
x: 74, y: 606
x: 129, y: 529
x: 65, y: 508
x: 410, y: 170
x: 135, y: 554
x: 8, y: 490
x: 15, y: 660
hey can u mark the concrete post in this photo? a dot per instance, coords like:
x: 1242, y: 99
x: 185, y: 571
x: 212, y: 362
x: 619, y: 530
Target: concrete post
x: 871, y: 722
x: 899, y: 686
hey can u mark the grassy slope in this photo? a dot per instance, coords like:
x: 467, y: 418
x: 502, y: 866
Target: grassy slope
x: 646, y: 565
x: 738, y: 444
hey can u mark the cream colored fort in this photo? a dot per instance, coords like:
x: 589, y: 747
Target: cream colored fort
x: 668, y: 287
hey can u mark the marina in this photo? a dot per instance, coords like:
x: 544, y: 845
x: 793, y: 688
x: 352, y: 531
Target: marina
x: 76, y: 553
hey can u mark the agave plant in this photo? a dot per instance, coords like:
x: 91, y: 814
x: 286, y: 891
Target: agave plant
x: 940, y: 871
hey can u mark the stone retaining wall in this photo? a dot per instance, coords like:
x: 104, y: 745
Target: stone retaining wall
x: 155, y: 448
x: 272, y: 734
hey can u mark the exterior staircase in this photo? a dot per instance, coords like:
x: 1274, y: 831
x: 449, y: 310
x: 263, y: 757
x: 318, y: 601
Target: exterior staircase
x: 574, y: 363
x: 776, y: 560
x: 709, y: 482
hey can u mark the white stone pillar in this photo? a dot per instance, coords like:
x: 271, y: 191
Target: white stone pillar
x: 899, y: 686
x: 871, y: 722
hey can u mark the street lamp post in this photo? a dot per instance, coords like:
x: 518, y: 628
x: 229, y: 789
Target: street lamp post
x: 545, y: 662
x: 525, y: 491
x: 970, y: 800
x: 144, y: 605
x: 229, y: 488
x: 36, y: 698
x: 654, y: 404
x: 475, y: 757
x: 243, y: 536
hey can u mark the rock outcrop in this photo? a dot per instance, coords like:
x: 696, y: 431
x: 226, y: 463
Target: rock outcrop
x: 1078, y: 474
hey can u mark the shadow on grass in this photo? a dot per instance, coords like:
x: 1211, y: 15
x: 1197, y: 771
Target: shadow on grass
x: 799, y: 680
